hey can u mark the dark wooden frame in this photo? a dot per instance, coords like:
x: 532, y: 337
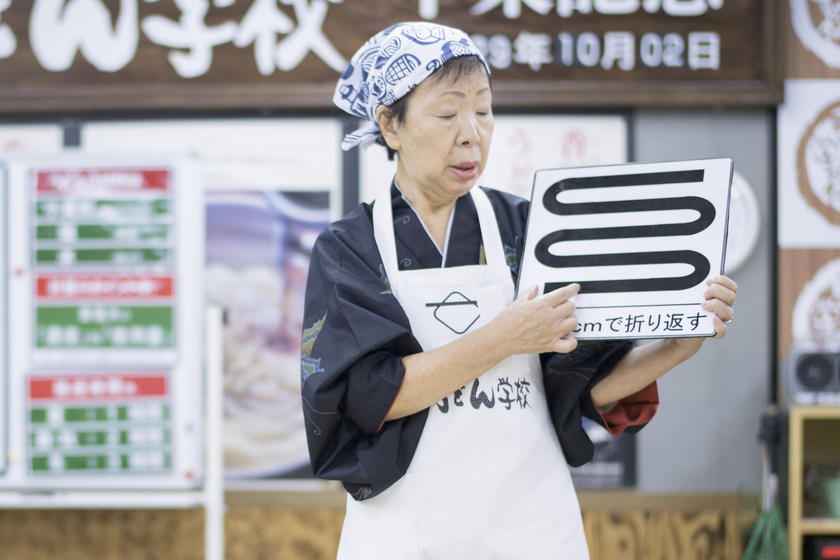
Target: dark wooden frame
x: 20, y: 95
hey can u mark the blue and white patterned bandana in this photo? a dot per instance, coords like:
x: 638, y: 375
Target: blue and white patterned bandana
x: 392, y: 63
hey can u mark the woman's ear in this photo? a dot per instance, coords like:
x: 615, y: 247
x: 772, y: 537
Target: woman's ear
x: 388, y: 125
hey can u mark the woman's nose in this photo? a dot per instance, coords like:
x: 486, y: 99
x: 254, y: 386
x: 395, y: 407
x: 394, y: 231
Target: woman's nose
x: 469, y: 132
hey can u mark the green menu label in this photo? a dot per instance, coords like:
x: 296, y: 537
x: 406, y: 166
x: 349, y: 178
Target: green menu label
x: 104, y: 326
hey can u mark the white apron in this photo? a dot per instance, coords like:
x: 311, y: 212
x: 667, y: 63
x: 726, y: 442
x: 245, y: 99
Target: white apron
x: 488, y: 479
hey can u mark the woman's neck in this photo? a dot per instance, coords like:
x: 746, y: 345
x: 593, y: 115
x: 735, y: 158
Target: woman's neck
x: 435, y: 214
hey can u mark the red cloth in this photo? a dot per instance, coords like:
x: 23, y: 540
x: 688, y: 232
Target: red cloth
x: 635, y: 410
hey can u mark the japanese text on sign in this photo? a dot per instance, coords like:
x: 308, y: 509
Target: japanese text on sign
x: 61, y: 29
x: 615, y: 49
x: 104, y: 276
x: 640, y: 240
x: 106, y: 423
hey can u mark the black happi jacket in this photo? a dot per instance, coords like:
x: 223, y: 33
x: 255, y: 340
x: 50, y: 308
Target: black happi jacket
x: 356, y: 334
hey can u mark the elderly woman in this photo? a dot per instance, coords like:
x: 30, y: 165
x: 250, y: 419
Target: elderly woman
x: 449, y: 410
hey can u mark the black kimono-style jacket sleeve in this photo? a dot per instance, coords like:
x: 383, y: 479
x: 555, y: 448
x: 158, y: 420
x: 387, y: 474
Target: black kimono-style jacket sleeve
x: 355, y: 335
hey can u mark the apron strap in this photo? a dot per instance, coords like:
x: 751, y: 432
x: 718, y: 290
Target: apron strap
x: 383, y: 231
x: 494, y: 251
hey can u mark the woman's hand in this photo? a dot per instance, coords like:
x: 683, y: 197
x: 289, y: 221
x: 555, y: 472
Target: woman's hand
x: 646, y: 363
x: 535, y: 324
x: 530, y: 325
x: 720, y: 297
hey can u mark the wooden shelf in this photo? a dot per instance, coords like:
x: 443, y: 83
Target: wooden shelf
x: 814, y: 433
x: 820, y: 526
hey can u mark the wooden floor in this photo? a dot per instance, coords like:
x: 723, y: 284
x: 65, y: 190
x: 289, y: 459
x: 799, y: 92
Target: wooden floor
x: 619, y: 526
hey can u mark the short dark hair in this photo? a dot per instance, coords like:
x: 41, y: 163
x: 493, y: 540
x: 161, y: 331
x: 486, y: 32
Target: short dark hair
x: 454, y: 70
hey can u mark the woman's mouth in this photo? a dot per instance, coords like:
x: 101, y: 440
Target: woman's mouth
x: 466, y: 171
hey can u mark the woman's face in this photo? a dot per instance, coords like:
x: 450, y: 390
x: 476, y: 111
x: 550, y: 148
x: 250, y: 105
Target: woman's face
x: 444, y: 137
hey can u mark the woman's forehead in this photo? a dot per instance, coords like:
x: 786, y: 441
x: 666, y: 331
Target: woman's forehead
x: 474, y: 83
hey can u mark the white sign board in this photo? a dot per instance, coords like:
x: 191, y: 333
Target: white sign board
x: 104, y: 258
x: 641, y: 240
x: 16, y: 140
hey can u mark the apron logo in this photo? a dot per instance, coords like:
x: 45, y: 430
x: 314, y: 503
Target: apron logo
x: 456, y: 312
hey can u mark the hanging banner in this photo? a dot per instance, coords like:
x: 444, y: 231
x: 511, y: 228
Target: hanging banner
x: 640, y: 239
x: 106, y: 290
x: 68, y: 55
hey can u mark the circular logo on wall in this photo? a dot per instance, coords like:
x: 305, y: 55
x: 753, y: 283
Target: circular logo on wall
x: 816, y: 315
x: 817, y: 24
x: 818, y: 163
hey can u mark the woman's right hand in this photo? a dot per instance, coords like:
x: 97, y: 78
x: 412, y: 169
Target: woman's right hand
x: 530, y: 325
x: 535, y: 324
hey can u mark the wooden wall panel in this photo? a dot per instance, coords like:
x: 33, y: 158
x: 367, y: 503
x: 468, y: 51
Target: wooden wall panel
x: 665, y: 535
x: 638, y: 527
x: 33, y: 534
x: 262, y: 533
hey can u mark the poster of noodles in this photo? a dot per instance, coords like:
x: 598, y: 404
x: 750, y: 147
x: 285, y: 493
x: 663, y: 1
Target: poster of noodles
x: 264, y: 208
x: 258, y: 247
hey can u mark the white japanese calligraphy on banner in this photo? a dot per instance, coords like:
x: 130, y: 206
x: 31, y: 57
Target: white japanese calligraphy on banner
x: 59, y: 29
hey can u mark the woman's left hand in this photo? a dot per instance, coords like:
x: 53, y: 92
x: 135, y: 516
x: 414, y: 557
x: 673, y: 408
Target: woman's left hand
x: 645, y: 363
x: 719, y: 299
